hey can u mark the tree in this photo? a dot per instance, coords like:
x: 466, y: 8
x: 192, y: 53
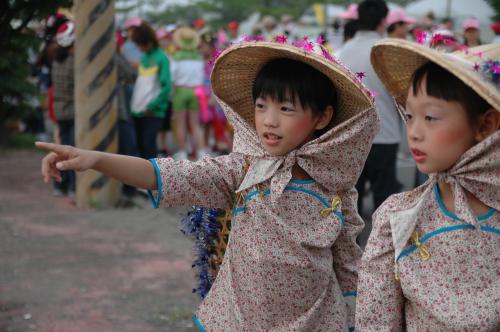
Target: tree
x: 15, y: 41
x: 496, y: 6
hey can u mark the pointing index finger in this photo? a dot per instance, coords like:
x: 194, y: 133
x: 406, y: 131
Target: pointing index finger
x: 50, y: 147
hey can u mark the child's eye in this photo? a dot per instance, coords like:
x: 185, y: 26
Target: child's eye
x: 430, y: 118
x: 407, y: 116
x: 287, y: 109
x: 259, y: 105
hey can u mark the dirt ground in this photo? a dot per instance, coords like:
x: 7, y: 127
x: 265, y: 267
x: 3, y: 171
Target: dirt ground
x: 64, y: 269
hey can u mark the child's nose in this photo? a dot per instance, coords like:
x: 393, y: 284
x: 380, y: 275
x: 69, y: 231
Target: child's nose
x: 271, y: 119
x: 414, y: 131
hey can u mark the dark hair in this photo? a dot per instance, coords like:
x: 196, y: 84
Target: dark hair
x: 350, y: 29
x: 442, y: 84
x: 393, y: 26
x: 447, y: 20
x: 144, y: 35
x: 371, y: 13
x: 286, y: 78
x: 62, y: 53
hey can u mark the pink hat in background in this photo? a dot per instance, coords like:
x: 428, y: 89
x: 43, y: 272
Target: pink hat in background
x: 133, y: 21
x: 399, y: 15
x: 351, y: 13
x: 471, y: 23
x: 161, y: 33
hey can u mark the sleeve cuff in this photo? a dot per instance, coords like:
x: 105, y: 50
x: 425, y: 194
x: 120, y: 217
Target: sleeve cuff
x: 156, y: 201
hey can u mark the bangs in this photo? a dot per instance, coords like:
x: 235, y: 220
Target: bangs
x: 441, y: 84
x: 286, y: 80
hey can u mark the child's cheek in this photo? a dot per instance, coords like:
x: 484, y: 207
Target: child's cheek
x: 301, y: 126
x: 448, y: 137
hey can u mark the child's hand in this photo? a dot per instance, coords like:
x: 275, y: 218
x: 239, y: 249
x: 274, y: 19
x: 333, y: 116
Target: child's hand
x: 65, y: 158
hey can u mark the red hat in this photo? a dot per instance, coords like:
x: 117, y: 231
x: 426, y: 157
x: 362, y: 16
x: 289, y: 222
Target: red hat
x: 495, y: 27
x: 233, y: 25
x: 65, y: 35
x: 199, y: 23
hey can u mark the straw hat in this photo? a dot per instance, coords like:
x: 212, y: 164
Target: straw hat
x: 236, y: 68
x: 186, y: 38
x: 396, y: 60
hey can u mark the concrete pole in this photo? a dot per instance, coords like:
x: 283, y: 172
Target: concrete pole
x: 95, y: 96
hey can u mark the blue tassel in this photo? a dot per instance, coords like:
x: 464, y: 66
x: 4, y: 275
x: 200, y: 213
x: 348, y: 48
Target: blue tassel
x: 201, y: 225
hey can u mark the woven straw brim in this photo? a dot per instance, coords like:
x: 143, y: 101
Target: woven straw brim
x: 235, y: 70
x: 395, y: 61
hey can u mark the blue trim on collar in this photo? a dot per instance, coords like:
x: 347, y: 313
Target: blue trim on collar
x: 431, y: 234
x: 486, y: 215
x: 310, y: 192
x: 294, y: 188
x: 156, y: 203
x: 310, y: 181
x: 351, y: 293
x: 490, y: 229
x: 198, y: 324
x: 453, y: 216
x: 315, y: 194
x: 352, y: 328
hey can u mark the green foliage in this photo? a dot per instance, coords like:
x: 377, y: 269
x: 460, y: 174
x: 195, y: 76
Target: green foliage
x: 15, y: 42
x: 221, y: 12
x: 496, y: 6
x: 22, y: 141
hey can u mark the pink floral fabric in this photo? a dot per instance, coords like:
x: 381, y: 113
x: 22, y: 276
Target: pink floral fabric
x: 288, y: 266
x: 457, y: 288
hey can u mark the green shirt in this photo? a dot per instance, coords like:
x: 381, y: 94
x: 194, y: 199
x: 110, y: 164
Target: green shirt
x: 152, y: 58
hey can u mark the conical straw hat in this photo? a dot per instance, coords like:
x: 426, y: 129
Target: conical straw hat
x: 396, y: 60
x: 236, y: 69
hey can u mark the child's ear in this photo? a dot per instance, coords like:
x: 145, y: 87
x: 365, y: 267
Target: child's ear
x: 489, y: 122
x: 325, y: 118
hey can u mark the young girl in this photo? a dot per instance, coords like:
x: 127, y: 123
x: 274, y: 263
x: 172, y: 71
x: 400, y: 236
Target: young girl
x: 151, y: 91
x: 303, y: 128
x: 187, y: 74
x: 432, y: 260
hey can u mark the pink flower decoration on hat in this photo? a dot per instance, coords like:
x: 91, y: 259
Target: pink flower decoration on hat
x: 281, y: 39
x: 491, y: 70
x: 308, y: 47
x: 373, y: 93
x: 421, y: 37
x: 215, y: 56
x: 305, y: 45
x: 327, y: 54
x: 360, y: 75
x: 320, y: 40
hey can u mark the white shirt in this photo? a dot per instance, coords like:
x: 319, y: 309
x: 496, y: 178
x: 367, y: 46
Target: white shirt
x: 187, y: 73
x: 355, y: 54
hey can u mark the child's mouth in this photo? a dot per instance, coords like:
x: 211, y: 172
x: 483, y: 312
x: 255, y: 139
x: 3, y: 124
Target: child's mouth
x: 271, y: 139
x: 418, y: 155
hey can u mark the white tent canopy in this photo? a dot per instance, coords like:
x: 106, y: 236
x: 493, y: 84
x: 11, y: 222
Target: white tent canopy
x: 459, y: 9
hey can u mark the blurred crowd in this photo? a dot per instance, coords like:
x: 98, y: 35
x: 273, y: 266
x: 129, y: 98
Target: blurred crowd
x: 165, y: 103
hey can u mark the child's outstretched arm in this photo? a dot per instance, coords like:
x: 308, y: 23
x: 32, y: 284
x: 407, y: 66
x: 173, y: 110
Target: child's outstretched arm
x: 133, y: 171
